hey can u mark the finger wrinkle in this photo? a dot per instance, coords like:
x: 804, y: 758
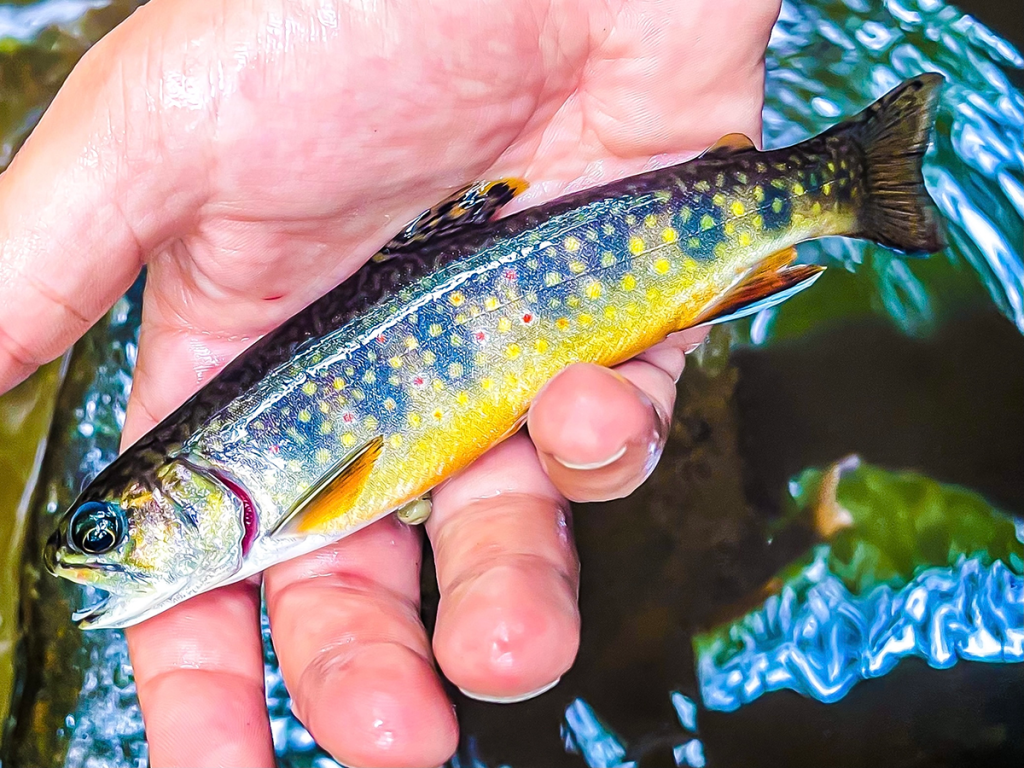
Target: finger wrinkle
x: 187, y: 678
x: 344, y: 583
x: 522, y: 561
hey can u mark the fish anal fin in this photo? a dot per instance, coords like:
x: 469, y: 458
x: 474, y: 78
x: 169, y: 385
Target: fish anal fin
x: 730, y: 144
x: 763, y: 289
x: 333, y: 496
x: 468, y: 207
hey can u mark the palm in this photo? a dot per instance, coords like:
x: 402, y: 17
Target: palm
x: 287, y: 143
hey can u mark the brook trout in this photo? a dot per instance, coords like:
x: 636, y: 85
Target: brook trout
x: 432, y: 352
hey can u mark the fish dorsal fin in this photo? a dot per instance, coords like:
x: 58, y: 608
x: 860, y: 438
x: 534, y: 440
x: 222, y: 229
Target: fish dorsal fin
x: 769, y: 285
x: 333, y: 496
x: 470, y: 206
x: 730, y: 144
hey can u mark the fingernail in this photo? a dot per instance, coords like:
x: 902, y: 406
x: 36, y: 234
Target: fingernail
x: 512, y: 699
x: 594, y: 464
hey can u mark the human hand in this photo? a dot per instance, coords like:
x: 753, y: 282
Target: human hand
x: 253, y: 153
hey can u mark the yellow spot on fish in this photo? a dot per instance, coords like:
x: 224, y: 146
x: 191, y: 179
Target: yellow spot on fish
x: 706, y: 222
x: 607, y: 259
x: 718, y: 199
x: 395, y: 440
x: 414, y: 419
x: 339, y: 384
x: 572, y: 244
x: 370, y: 377
x: 552, y: 278
x: 702, y: 186
x: 628, y: 282
x: 577, y: 267
x: 593, y: 290
x: 816, y: 209
x: 831, y: 166
x: 490, y: 303
x: 730, y: 228
x: 720, y: 180
x: 777, y: 204
x: 410, y: 342
x: 719, y: 250
x: 435, y: 330
x: 608, y: 228
x: 758, y: 221
x: 487, y: 383
x: 462, y: 397
x: 693, y: 243
x: 842, y: 164
x: 689, y: 265
x: 653, y: 294
x: 669, y: 235
x: 325, y: 427
x: 759, y: 193
x: 562, y: 323
x: 630, y: 219
x: 322, y: 456
x: 429, y: 357
x: 779, y: 183
x: 370, y: 422
x: 651, y: 221
x: 585, y: 319
x: 541, y: 345
x: 390, y: 404
x: 760, y: 167
x: 393, y: 380
x: 798, y: 188
x: 455, y: 370
x: 395, y: 362
x: 737, y: 208
x: 662, y: 266
x: 745, y: 238
x: 636, y: 245
x: 685, y: 214
x: 348, y: 440
x: 826, y: 188
x: 294, y: 466
x: 324, y: 407
x: 305, y: 416
x: 438, y: 385
x: 309, y: 388
x: 455, y: 340
x: 512, y: 351
x: 456, y: 298
x: 609, y: 312
x: 438, y: 414
x: 504, y: 325
x: 572, y: 301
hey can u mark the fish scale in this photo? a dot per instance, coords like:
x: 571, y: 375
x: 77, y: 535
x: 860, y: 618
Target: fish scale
x: 433, y: 351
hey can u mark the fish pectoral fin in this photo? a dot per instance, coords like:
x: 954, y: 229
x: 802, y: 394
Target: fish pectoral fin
x: 730, y: 144
x: 333, y: 496
x: 470, y: 206
x: 763, y: 289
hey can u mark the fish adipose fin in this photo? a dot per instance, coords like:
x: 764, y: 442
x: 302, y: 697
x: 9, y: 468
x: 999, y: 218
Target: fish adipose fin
x: 333, y: 496
x: 771, y: 284
x: 893, y: 134
x: 730, y: 144
x: 470, y: 206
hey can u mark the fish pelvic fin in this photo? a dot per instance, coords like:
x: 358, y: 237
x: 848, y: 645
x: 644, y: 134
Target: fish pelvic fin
x: 470, y: 206
x: 333, y: 496
x: 893, y: 133
x: 775, y: 281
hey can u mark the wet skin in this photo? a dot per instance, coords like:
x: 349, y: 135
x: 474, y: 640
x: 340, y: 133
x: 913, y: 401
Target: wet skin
x: 252, y: 165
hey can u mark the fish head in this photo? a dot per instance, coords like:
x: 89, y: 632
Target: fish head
x: 148, y: 543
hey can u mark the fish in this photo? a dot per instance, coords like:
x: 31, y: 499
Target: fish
x: 432, y: 352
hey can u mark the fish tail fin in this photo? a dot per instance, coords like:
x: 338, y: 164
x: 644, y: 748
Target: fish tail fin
x: 893, y: 134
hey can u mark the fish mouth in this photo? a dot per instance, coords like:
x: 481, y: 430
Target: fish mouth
x: 117, y: 611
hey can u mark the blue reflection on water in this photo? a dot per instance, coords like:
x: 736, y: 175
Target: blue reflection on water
x: 819, y: 639
x: 831, y: 57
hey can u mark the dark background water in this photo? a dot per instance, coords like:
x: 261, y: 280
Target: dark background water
x: 912, y: 365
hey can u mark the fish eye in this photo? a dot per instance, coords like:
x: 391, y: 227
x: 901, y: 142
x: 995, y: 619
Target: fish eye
x: 96, y: 528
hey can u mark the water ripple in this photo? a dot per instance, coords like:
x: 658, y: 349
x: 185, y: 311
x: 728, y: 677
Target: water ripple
x: 820, y: 640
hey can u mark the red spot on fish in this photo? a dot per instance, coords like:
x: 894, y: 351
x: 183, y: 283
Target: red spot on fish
x: 348, y: 418
x: 480, y: 335
x: 510, y: 274
x: 380, y: 339
x: 275, y: 449
x: 418, y: 381
x: 527, y: 318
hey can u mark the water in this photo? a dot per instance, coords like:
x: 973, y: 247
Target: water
x: 912, y: 364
